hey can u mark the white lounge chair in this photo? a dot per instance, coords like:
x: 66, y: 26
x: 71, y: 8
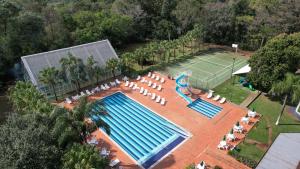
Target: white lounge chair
x: 127, y: 83
x: 131, y: 84
x: 138, y: 78
x: 97, y: 89
x: 223, y: 100
x: 154, y: 85
x: 216, y: 98
x: 106, y: 86
x: 223, y: 145
x: 162, y: 80
x: 135, y: 86
x: 157, y: 99
x: 157, y: 78
x: 69, y: 101
x: 153, y: 96
x: 82, y: 94
x: 114, y: 162
x: 102, y: 87
x: 159, y: 88
x: 150, y: 83
x: 117, y: 81
x: 125, y: 78
x: 143, y: 80
x: 230, y: 137
x: 245, y: 120
x: 201, y: 165
x: 251, y: 113
x: 145, y: 92
x: 238, y: 129
x: 153, y: 76
x: 141, y: 90
x: 163, y: 101
x: 210, y: 95
x: 149, y: 74
x: 88, y: 92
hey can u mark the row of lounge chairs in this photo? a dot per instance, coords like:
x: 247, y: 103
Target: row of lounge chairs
x: 93, y: 91
x: 216, y: 98
x: 152, y: 76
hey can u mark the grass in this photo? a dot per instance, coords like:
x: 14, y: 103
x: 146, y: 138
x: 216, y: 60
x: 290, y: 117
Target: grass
x: 236, y: 93
x: 5, y: 108
x: 269, y: 110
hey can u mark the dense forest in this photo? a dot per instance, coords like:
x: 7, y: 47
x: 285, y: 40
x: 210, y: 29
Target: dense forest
x: 32, y: 26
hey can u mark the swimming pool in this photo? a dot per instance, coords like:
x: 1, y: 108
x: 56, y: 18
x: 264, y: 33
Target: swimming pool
x: 205, y: 108
x: 141, y: 133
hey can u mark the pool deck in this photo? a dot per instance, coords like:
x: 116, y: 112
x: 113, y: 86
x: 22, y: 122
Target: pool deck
x: 206, y: 133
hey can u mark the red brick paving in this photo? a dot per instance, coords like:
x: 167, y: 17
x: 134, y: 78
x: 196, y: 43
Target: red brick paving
x: 206, y: 133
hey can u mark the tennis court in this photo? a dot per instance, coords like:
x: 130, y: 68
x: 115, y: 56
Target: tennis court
x: 209, y: 69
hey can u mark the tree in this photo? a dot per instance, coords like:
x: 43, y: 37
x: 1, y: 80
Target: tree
x: 48, y: 76
x: 8, y: 9
x: 165, y: 30
x: 83, y: 156
x: 112, y: 65
x: 69, y: 126
x: 289, y: 88
x: 92, y: 70
x: 279, y: 56
x: 126, y: 62
x: 74, y: 70
x: 25, y: 142
x: 27, y: 99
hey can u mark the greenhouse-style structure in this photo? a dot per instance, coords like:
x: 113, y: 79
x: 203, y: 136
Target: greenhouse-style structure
x: 101, y: 51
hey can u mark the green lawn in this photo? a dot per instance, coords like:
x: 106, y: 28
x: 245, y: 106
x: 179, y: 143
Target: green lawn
x: 236, y: 93
x: 5, y: 108
x: 269, y: 111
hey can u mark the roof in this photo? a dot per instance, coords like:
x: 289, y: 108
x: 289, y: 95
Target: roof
x: 284, y: 152
x: 243, y: 70
x: 100, y: 50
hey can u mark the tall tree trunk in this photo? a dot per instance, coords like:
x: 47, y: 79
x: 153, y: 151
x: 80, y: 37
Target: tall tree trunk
x: 262, y: 42
x: 54, y: 92
x: 282, y: 109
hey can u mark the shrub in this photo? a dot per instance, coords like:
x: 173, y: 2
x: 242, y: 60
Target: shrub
x: 245, y: 160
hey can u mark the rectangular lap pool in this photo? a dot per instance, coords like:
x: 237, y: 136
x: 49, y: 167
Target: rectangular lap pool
x: 141, y: 133
x: 205, y: 108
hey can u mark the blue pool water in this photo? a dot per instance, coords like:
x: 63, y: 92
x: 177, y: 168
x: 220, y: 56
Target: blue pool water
x: 205, y: 108
x: 144, y: 135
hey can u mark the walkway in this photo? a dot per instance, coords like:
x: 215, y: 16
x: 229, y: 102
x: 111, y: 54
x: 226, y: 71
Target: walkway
x: 250, y: 98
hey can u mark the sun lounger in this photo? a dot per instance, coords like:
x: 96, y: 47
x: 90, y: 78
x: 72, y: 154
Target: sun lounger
x: 145, y: 92
x: 163, y: 101
x: 131, y: 84
x: 157, y: 78
x: 162, y: 80
x: 138, y: 78
x: 149, y: 74
x: 238, y: 129
x: 245, y: 120
x: 114, y: 162
x: 102, y: 87
x: 251, y: 113
x: 117, y: 81
x: 153, y: 96
x: 125, y: 78
x: 216, y: 98
x: 150, y: 83
x: 135, y: 86
x: 69, y: 101
x: 97, y: 89
x: 230, y: 137
x: 154, y: 85
x: 157, y: 99
x: 141, y: 90
x: 153, y: 76
x: 159, y: 88
x: 223, y: 145
x: 143, y: 80
x: 106, y: 86
x: 127, y: 83
x: 88, y: 92
x: 223, y: 100
x: 82, y: 94
x: 201, y: 165
x: 210, y: 95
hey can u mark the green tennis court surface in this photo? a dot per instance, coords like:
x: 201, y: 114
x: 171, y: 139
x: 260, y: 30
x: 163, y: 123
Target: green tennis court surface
x: 208, y: 69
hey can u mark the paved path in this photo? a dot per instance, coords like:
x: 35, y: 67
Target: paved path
x: 250, y: 99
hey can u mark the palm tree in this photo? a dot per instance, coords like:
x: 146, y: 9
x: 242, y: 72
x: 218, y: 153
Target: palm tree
x: 49, y: 77
x: 70, y: 125
x: 74, y: 69
x: 126, y: 61
x: 289, y: 88
x: 98, y: 72
x: 112, y: 65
